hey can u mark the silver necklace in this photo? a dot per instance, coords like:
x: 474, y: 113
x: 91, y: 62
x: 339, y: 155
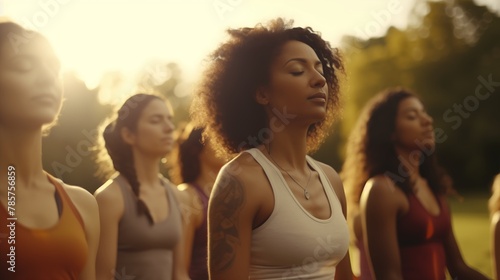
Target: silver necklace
x: 306, y: 193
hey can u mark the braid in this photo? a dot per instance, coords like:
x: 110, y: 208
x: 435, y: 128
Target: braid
x: 120, y: 152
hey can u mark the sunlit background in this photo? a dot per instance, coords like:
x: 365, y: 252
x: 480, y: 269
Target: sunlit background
x: 444, y: 50
x: 94, y: 37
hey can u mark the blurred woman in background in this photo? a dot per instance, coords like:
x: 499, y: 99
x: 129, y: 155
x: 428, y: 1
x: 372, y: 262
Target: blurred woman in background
x: 195, y: 167
x: 399, y: 216
x: 54, y: 231
x: 140, y: 218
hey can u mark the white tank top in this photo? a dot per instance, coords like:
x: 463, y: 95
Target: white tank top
x: 292, y: 243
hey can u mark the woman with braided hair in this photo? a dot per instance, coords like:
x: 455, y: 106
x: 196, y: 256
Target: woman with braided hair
x: 140, y: 217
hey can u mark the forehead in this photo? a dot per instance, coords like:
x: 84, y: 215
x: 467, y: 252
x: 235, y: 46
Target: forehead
x: 26, y: 44
x: 296, y: 49
x: 157, y: 106
x: 410, y: 103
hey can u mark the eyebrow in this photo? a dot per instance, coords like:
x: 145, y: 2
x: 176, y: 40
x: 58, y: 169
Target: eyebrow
x: 303, y: 61
x: 161, y: 116
x: 52, y: 59
x: 413, y: 109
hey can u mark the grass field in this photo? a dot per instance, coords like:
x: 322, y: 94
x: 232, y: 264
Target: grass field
x: 471, y: 227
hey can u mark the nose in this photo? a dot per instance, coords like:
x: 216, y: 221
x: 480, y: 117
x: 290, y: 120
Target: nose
x: 318, y: 81
x: 169, y: 126
x: 48, y: 75
x: 428, y: 120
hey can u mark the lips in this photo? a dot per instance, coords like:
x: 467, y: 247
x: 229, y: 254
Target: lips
x: 321, y: 96
x: 167, y: 139
x: 429, y: 133
x: 46, y: 97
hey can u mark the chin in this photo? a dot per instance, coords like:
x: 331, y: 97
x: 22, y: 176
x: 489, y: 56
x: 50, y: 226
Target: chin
x: 39, y: 120
x: 164, y: 151
x: 318, y: 117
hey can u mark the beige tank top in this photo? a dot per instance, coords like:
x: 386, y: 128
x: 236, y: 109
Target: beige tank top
x: 292, y: 243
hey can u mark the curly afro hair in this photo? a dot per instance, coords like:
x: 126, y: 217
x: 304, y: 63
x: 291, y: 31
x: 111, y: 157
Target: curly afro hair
x: 224, y: 102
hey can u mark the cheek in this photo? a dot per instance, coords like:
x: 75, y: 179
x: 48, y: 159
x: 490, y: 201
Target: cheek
x: 149, y: 133
x: 17, y: 85
x: 407, y: 133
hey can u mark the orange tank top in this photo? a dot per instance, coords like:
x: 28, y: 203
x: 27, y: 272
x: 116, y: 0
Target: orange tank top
x: 56, y: 253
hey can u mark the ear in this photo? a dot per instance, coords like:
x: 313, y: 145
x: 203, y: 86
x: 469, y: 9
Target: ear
x: 127, y: 136
x: 261, y: 96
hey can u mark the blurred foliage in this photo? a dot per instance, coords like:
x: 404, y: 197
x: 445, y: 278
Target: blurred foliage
x: 441, y: 55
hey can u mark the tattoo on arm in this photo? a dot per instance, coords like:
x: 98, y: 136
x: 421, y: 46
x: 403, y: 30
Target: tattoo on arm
x: 225, y: 209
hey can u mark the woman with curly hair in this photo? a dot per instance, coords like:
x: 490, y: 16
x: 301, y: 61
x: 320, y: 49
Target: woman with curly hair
x: 140, y: 217
x: 194, y: 167
x: 494, y: 207
x: 48, y: 230
x: 269, y: 95
x: 396, y: 191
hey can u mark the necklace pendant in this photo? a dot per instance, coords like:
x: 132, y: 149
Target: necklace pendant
x: 306, y: 194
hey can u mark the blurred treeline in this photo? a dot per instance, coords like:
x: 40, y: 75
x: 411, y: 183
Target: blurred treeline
x: 449, y: 54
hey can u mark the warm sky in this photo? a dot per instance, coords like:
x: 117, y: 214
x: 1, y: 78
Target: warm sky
x: 95, y: 36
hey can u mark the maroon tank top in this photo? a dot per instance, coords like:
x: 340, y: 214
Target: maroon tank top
x: 421, y: 242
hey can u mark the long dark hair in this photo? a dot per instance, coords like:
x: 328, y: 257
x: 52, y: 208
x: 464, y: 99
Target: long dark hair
x: 116, y: 150
x: 185, y: 166
x: 371, y: 152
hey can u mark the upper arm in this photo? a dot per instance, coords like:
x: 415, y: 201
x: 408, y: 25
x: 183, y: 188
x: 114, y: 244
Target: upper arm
x: 88, y: 209
x: 230, y: 216
x: 495, y: 234
x: 180, y: 263
x: 192, y: 215
x: 110, y: 201
x: 379, y: 211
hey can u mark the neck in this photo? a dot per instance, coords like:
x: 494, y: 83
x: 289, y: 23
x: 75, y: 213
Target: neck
x: 207, y: 177
x: 22, y: 149
x: 411, y: 162
x: 288, y: 148
x: 147, y: 168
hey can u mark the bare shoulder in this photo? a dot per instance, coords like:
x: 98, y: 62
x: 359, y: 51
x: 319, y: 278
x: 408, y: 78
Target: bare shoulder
x: 495, y: 222
x: 82, y: 198
x: 381, y: 192
x: 109, y: 197
x: 86, y: 206
x: 331, y: 173
x: 244, y: 176
x: 108, y: 192
x: 180, y: 196
x: 185, y: 193
x: 244, y: 168
x: 380, y: 185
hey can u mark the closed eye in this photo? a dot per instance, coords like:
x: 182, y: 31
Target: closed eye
x: 297, y: 73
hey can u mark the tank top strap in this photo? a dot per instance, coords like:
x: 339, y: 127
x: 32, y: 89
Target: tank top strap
x: 327, y: 185
x: 272, y: 175
x: 65, y: 199
x: 129, y: 198
x: 172, y: 197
